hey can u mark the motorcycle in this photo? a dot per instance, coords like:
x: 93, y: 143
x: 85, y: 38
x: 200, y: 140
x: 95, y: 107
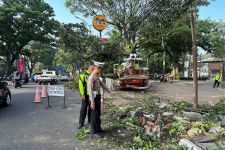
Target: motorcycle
x: 25, y: 80
x: 17, y: 83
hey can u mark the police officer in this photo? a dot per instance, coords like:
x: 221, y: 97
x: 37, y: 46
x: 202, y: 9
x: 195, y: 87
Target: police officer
x: 84, y: 97
x: 94, y: 84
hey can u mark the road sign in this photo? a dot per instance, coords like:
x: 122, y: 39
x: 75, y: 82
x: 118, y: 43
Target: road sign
x: 57, y: 92
x: 99, y: 22
x: 103, y: 40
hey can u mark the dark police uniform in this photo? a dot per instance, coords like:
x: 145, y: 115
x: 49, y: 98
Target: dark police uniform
x: 94, y: 84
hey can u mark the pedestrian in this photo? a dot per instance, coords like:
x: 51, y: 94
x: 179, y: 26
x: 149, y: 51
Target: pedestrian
x: 16, y: 78
x: 84, y: 97
x: 216, y: 79
x: 94, y: 84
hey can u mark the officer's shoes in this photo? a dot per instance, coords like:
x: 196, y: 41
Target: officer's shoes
x: 80, y: 126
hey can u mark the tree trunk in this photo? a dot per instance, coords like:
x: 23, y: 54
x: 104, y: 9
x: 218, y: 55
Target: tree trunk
x: 9, y: 65
x: 31, y: 71
x: 183, y: 63
x: 194, y: 53
x: 175, y: 71
x: 189, y: 66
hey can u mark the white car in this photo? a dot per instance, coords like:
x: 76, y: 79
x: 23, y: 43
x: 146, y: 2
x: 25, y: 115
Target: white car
x: 47, y: 76
x: 65, y: 78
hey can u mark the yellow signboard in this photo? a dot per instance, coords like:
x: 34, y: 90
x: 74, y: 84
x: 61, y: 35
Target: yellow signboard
x: 99, y: 22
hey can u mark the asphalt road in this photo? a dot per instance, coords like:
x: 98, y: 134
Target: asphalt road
x: 30, y: 126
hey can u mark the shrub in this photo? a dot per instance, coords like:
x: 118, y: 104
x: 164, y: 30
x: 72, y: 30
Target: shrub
x: 74, y: 83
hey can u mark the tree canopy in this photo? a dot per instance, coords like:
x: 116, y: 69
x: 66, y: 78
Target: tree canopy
x: 211, y: 36
x: 129, y: 16
x: 23, y: 21
x: 40, y: 52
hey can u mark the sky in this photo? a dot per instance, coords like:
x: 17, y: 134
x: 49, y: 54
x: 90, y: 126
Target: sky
x: 215, y: 11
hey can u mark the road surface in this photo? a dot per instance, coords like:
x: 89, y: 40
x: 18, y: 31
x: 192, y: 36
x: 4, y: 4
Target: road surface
x: 183, y: 90
x: 30, y: 126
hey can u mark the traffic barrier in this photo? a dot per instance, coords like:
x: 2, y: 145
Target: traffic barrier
x: 43, y: 92
x: 37, y: 98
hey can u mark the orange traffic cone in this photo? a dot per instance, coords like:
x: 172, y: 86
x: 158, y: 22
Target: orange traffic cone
x: 37, y: 98
x: 43, y: 92
x: 102, y: 104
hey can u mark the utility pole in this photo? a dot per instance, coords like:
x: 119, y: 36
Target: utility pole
x: 200, y: 66
x: 194, y: 53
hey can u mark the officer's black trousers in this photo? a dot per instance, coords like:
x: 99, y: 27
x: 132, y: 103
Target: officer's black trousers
x: 95, y: 116
x: 83, y: 111
x: 216, y: 83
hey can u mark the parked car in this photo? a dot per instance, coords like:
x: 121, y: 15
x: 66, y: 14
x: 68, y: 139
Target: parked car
x: 5, y: 94
x: 48, y: 76
x: 65, y: 78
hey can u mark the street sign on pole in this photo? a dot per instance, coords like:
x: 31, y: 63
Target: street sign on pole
x: 56, y: 91
x: 103, y: 40
x: 99, y: 22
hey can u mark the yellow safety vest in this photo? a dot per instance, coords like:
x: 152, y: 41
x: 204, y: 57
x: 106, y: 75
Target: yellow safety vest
x: 217, y: 76
x: 83, y: 82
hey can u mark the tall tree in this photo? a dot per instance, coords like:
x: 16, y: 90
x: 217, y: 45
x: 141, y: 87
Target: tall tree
x: 211, y: 36
x: 174, y: 38
x: 76, y: 41
x: 78, y: 48
x: 36, y: 52
x: 129, y: 16
x: 22, y: 21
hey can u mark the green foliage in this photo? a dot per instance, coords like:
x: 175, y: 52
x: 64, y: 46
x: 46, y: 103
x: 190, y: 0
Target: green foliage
x: 203, y: 126
x: 74, y: 82
x: 65, y: 59
x: 211, y: 36
x: 172, y: 37
x: 129, y: 16
x: 138, y: 141
x: 75, y: 45
x: 217, y: 109
x: 178, y: 129
x: 223, y: 83
x: 115, y: 118
x: 36, y: 52
x: 23, y: 21
x: 82, y: 134
x: 180, y: 106
x: 85, y: 49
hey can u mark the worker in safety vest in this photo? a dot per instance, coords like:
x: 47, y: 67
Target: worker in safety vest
x: 216, y: 79
x: 84, y: 97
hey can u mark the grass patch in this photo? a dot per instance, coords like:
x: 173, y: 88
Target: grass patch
x: 82, y: 134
